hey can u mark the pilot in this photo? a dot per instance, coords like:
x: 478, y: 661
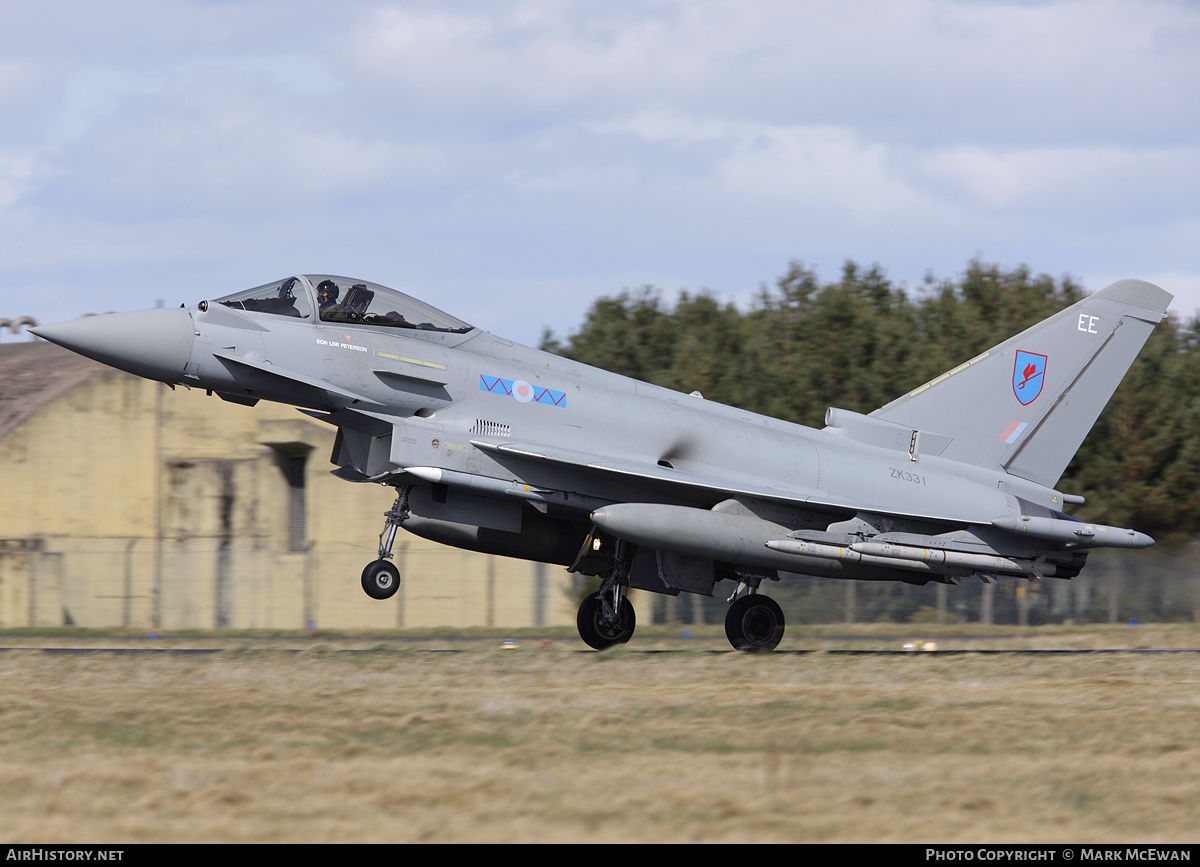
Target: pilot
x: 327, y: 294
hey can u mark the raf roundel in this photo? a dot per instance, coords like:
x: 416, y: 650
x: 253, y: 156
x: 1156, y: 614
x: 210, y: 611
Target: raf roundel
x: 522, y: 391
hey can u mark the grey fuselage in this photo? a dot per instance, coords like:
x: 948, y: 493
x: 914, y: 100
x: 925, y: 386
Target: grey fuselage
x: 397, y: 374
x: 425, y: 399
x: 512, y: 450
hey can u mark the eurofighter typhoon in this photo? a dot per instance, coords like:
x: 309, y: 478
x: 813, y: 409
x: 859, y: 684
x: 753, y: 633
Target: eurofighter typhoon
x: 496, y: 447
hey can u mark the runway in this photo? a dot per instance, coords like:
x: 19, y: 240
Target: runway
x: 1046, y: 641
x: 213, y: 651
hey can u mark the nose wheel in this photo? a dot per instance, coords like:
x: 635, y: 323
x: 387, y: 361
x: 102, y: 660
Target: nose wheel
x: 381, y: 579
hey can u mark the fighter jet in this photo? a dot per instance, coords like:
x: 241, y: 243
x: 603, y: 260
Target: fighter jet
x: 500, y: 448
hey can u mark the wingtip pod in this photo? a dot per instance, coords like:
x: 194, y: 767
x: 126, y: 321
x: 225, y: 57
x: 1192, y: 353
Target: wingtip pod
x: 1139, y: 293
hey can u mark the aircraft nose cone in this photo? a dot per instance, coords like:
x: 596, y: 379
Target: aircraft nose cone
x: 155, y: 344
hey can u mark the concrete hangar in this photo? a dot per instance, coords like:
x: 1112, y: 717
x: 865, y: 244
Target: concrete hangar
x: 126, y: 504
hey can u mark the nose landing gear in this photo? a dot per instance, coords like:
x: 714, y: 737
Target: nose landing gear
x: 381, y: 578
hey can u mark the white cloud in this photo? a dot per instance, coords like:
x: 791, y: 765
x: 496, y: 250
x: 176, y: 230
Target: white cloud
x: 18, y: 171
x: 1081, y: 180
x: 922, y: 69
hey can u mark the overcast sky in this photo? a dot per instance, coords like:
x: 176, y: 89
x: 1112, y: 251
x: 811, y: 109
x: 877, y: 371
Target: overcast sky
x: 509, y: 162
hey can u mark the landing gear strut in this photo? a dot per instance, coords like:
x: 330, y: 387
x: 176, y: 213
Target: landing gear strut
x: 608, y: 618
x: 381, y: 578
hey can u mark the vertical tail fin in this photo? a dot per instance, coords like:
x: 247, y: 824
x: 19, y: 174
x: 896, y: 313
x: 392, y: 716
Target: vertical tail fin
x: 1026, y: 405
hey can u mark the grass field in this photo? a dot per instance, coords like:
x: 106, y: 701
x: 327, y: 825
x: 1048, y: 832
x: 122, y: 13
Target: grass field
x: 371, y: 740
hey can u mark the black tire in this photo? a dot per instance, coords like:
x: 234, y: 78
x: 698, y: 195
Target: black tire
x: 600, y: 633
x: 754, y: 624
x: 381, y: 579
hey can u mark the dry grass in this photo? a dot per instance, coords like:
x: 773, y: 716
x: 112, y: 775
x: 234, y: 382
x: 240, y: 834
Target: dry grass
x: 544, y: 743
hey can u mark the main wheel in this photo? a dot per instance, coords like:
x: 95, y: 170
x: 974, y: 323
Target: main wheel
x: 754, y: 623
x: 381, y: 579
x: 601, y: 633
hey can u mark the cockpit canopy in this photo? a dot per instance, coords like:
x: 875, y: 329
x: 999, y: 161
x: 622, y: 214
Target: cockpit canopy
x: 343, y: 300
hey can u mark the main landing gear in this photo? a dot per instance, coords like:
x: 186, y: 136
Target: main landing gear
x: 754, y: 623
x: 607, y: 618
x: 381, y: 578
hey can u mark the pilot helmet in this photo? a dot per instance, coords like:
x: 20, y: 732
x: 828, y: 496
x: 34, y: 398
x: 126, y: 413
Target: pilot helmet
x: 327, y: 290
